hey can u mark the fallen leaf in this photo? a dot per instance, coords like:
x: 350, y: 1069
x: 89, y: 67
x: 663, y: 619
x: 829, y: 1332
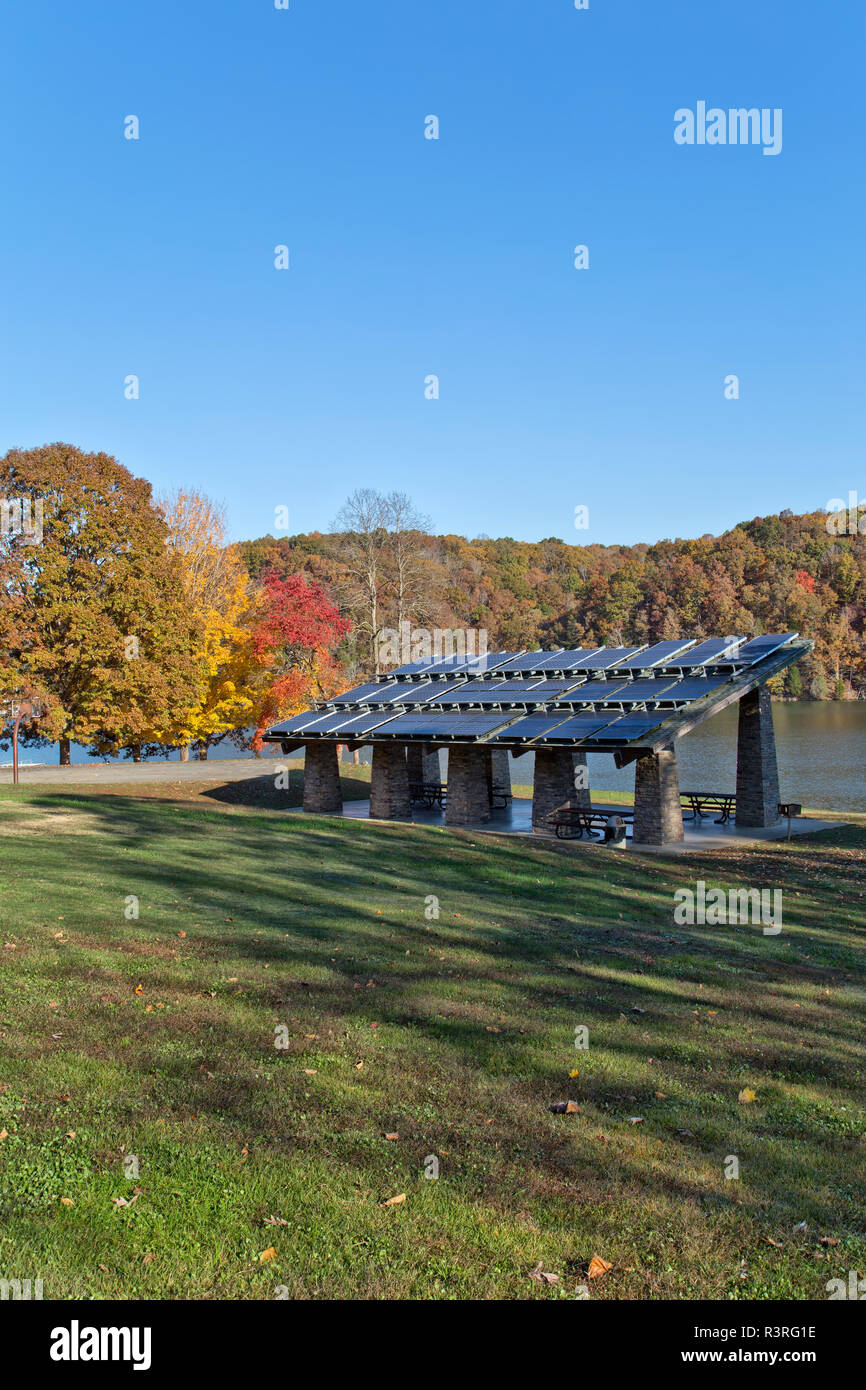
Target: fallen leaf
x: 598, y: 1267
x: 828, y: 1240
x: 276, y: 1221
x: 269, y: 1254
x: 395, y: 1135
x: 67, y: 1202
x: 543, y: 1276
x: 573, y: 1074
x: 566, y: 1107
x: 746, y: 1096
x: 4, y: 1134
x: 635, y: 1119
x: 394, y: 1201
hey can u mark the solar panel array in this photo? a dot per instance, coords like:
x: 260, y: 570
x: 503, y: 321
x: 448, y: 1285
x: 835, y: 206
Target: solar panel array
x: 601, y: 697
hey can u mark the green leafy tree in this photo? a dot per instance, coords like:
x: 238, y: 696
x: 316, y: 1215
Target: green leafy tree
x: 92, y: 617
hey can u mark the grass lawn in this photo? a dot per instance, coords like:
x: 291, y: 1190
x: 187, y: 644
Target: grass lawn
x: 155, y: 1038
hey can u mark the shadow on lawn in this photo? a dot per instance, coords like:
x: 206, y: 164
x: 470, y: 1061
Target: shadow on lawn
x: 556, y: 938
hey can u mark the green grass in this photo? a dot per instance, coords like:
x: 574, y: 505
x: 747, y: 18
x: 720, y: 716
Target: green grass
x: 155, y: 1038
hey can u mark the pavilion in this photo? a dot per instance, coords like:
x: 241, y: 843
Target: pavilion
x: 632, y: 702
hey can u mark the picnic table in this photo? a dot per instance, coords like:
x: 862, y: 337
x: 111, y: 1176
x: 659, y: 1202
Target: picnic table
x: 428, y: 794
x: 704, y: 803
x: 573, y: 822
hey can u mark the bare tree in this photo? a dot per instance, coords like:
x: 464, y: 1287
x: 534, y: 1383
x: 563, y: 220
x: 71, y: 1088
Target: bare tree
x: 362, y: 523
x: 409, y: 568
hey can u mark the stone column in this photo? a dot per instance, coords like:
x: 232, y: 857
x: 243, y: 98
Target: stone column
x: 389, y: 783
x: 322, y: 778
x: 757, y: 773
x: 581, y: 795
x: 432, y: 766
x: 658, y: 813
x: 415, y: 762
x: 501, y: 769
x: 552, y: 787
x: 468, y: 797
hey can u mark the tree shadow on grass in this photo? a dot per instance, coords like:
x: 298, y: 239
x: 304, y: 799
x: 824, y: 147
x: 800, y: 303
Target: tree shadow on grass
x: 532, y: 942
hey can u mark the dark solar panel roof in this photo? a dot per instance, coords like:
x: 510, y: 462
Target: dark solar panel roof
x: 563, y: 697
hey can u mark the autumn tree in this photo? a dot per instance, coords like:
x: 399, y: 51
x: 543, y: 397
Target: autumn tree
x: 221, y: 603
x: 294, y: 640
x: 93, y: 616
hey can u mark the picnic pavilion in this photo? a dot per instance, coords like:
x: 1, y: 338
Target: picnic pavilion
x: 635, y: 703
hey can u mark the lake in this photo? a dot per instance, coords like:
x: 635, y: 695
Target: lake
x: 821, y: 750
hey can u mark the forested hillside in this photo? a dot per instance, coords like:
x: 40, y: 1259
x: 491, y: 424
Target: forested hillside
x: 773, y: 573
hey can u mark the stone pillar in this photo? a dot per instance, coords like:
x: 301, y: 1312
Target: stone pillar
x: 552, y: 787
x: 432, y: 767
x: 468, y: 798
x: 658, y: 812
x: 389, y: 783
x: 322, y: 778
x: 757, y: 773
x: 415, y: 762
x: 581, y: 795
x: 500, y: 760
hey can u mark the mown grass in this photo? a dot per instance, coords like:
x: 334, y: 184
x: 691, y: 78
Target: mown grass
x: 155, y: 1037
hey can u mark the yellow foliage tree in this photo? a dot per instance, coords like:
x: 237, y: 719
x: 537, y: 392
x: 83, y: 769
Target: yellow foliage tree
x: 223, y: 603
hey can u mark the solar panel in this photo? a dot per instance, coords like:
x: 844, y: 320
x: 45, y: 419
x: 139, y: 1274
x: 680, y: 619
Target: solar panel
x: 714, y: 649
x: 412, y: 668
x: 529, y: 727
x: 761, y: 647
x: 568, y: 660
x: 372, y: 691
x: 577, y: 727
x: 691, y: 688
x: 526, y: 662
x: 603, y: 658
x: 626, y: 728
x: 453, y: 665
x: 349, y: 722
x: 590, y: 691
x: 486, y: 692
x: 437, y: 726
x: 636, y: 692
x: 659, y: 655
x: 299, y: 722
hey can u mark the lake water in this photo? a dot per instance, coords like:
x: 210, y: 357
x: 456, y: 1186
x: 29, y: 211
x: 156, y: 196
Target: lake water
x: 821, y: 750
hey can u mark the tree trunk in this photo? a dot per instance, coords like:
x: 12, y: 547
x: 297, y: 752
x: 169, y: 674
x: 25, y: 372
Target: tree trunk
x: 136, y: 752
x: 65, y: 753
x: 184, y: 753
x: 202, y: 754
x: 356, y: 757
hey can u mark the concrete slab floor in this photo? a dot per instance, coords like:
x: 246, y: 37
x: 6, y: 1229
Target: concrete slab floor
x: 517, y: 820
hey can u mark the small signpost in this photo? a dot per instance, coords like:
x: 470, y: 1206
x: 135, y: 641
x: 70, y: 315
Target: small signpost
x: 25, y: 708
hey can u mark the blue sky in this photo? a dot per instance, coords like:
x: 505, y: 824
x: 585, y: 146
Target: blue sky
x: 409, y: 257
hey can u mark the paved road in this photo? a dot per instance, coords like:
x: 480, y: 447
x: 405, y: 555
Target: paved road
x: 105, y: 774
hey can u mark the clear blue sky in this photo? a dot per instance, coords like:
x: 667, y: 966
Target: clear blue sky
x: 409, y: 257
